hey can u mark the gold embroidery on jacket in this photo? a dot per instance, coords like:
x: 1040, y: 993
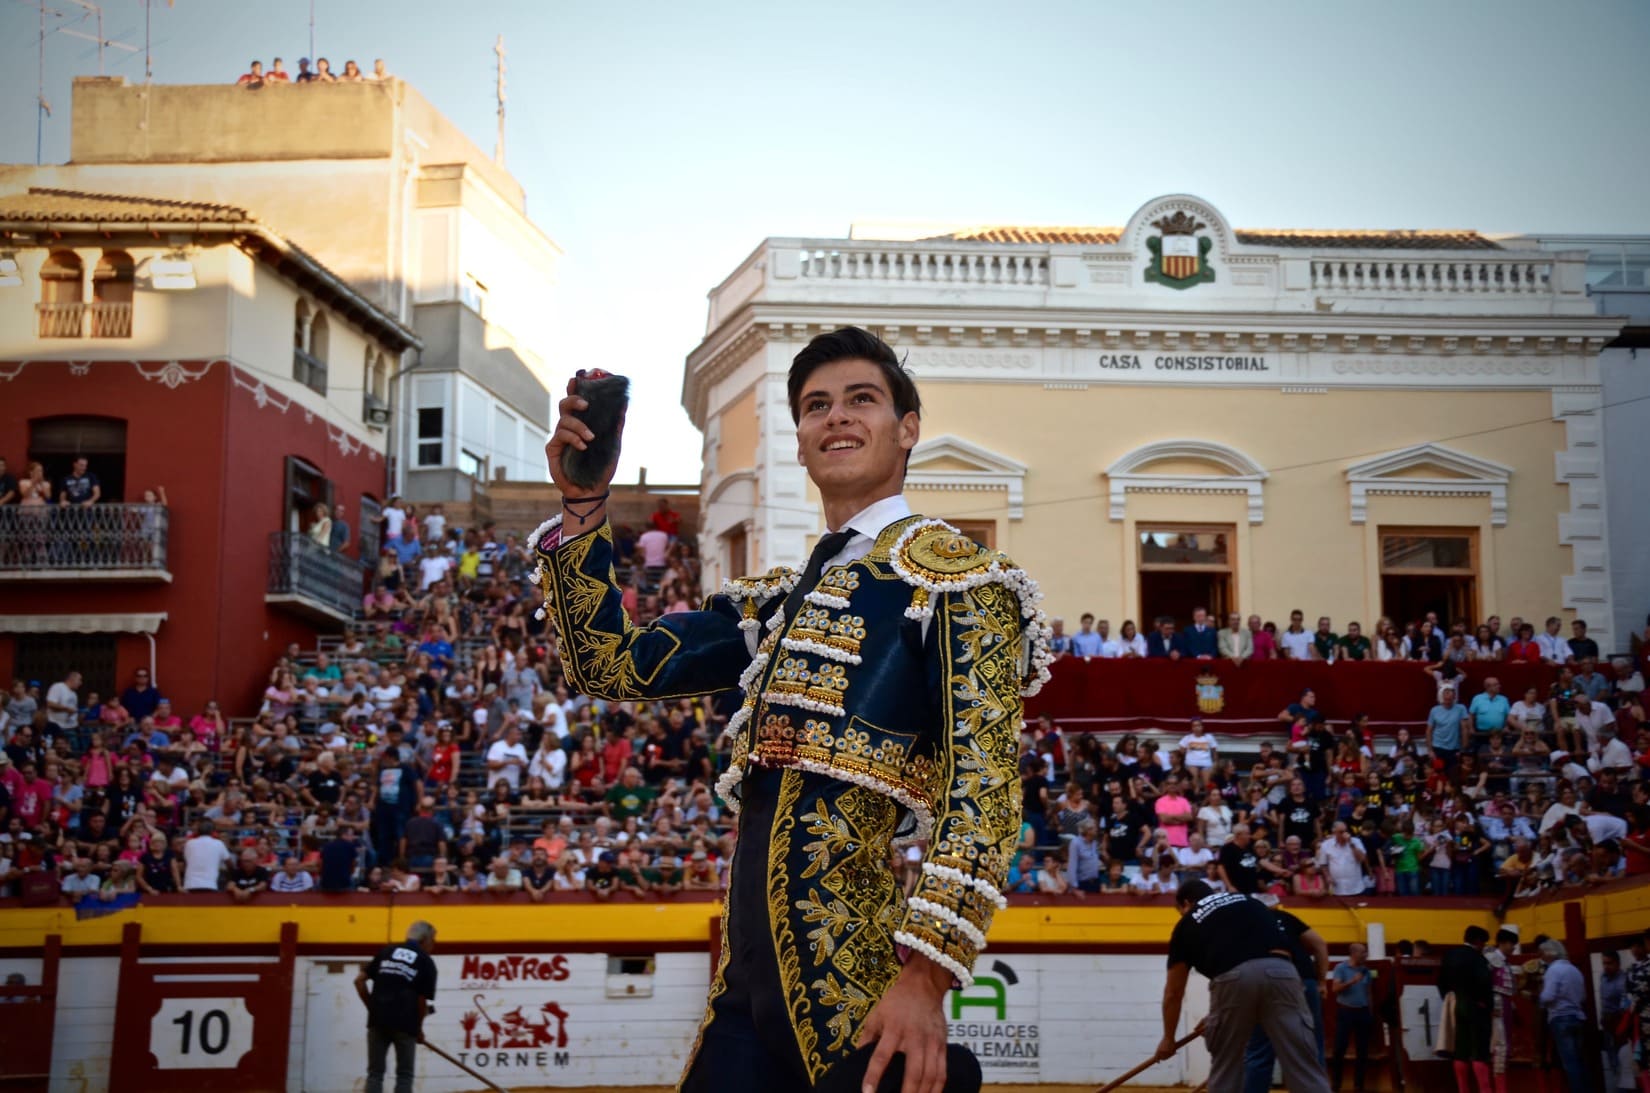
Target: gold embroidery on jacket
x: 779, y: 921
x: 853, y: 907
x: 598, y: 662
x: 979, y: 816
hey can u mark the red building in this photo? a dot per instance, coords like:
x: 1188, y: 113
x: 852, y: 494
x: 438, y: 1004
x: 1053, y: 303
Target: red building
x: 189, y: 349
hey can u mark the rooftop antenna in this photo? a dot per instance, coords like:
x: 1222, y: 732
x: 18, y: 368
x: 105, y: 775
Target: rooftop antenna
x: 95, y: 11
x: 41, y: 108
x: 498, y: 147
x: 312, y: 31
x: 80, y: 11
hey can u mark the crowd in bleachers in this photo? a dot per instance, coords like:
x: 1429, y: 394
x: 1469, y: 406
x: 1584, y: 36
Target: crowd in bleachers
x: 1493, y: 794
x: 436, y: 747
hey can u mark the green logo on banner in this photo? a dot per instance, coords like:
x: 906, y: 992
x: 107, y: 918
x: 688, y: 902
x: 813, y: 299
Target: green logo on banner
x: 995, y: 998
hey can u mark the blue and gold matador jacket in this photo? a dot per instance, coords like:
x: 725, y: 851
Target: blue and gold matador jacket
x: 900, y: 682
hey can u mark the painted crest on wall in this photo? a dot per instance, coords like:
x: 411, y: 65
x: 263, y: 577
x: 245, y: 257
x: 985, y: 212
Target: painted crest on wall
x: 1211, y: 696
x: 1180, y: 256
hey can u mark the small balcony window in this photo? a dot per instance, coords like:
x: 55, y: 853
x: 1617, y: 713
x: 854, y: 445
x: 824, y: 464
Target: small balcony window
x: 62, y: 307
x: 112, y: 290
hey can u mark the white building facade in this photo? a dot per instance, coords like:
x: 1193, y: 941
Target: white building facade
x: 1357, y: 423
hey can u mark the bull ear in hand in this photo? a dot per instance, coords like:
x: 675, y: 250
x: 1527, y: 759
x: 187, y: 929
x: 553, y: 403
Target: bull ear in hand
x: 608, y: 397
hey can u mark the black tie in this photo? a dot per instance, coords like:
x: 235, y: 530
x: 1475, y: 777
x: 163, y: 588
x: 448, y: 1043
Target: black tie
x: 829, y: 546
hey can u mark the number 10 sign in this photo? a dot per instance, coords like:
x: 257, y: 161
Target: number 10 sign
x: 200, y: 1033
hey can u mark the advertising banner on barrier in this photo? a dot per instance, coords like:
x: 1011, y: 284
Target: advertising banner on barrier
x: 547, y: 1019
x: 550, y: 1020
x: 998, y: 1019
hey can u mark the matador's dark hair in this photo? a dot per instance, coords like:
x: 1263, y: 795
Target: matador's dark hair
x: 852, y: 343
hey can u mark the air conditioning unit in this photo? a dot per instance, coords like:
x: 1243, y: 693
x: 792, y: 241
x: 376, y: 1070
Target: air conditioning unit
x: 374, y: 411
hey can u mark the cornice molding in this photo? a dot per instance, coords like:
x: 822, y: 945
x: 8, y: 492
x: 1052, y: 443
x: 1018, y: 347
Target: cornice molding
x: 1245, y: 475
x: 1478, y: 478
x: 987, y: 470
x: 728, y: 482
x: 705, y: 370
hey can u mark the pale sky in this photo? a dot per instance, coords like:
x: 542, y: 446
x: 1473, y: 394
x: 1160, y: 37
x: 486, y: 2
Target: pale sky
x: 660, y: 143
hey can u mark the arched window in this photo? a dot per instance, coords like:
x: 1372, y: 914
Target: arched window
x: 62, y: 295
x: 309, y: 348
x: 113, y: 282
x: 318, y: 336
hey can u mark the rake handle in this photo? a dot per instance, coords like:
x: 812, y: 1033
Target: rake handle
x: 471, y: 1071
x: 1149, y: 1063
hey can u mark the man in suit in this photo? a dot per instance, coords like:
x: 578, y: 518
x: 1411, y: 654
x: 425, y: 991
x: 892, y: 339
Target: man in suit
x: 1200, y: 640
x: 1236, y: 643
x: 1163, y: 642
x: 882, y: 705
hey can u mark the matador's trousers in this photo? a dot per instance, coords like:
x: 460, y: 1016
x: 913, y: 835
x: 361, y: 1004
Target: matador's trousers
x: 748, y: 1046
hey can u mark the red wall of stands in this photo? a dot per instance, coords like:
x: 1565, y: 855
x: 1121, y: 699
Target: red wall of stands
x: 1140, y: 694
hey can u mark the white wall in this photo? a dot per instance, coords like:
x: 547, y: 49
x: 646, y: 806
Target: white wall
x: 641, y: 1039
x: 1062, y: 1018
x: 488, y: 427
x: 1625, y: 374
x: 470, y: 243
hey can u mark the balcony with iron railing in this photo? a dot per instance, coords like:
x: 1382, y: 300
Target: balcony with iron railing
x: 105, y: 318
x: 311, y: 580
x: 112, y: 542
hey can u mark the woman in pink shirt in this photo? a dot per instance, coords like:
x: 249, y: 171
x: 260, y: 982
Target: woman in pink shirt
x: 208, y: 727
x: 1174, y: 813
x: 1265, y: 645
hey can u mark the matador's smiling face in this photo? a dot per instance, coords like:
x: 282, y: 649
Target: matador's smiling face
x: 849, y: 435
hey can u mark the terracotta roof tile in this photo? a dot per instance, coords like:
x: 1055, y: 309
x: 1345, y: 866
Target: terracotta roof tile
x: 43, y: 203
x: 1262, y: 237
x: 1012, y: 234
x: 1396, y: 239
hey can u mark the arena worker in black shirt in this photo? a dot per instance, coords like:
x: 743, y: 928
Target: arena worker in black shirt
x: 403, y: 987
x: 1239, y: 864
x: 1310, y: 952
x: 1245, y: 951
x: 1122, y: 831
x: 1299, y: 815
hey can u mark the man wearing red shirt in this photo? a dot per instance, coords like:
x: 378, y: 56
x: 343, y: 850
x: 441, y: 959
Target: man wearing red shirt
x: 667, y: 519
x: 31, y: 798
x: 167, y: 721
x: 277, y: 73
x: 616, y: 754
x: 254, y: 77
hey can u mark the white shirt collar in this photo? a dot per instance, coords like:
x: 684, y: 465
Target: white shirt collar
x: 870, y: 520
